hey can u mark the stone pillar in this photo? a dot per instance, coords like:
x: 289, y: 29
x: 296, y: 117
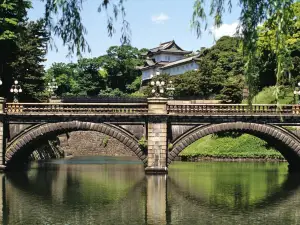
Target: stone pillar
x: 157, y: 136
x: 54, y: 99
x: 2, y: 136
x: 3, y: 206
x: 157, y: 199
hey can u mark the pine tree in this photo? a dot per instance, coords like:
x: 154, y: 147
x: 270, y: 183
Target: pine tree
x: 12, y: 14
x: 30, y: 54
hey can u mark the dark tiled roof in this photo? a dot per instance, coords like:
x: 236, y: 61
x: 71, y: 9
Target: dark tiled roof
x: 150, y: 62
x: 157, y: 65
x: 176, y: 51
x: 170, y: 46
x: 162, y: 46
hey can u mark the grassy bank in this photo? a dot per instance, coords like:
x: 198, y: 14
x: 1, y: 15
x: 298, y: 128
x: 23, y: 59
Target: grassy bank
x: 244, y: 146
x: 267, y: 96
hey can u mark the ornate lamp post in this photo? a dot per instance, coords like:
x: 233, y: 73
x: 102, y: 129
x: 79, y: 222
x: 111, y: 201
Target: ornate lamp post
x: 158, y: 88
x: 15, y: 89
x: 297, y: 93
x: 1, y: 75
x: 170, y: 89
x: 52, y: 86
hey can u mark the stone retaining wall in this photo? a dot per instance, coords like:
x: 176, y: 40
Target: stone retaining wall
x: 84, y: 143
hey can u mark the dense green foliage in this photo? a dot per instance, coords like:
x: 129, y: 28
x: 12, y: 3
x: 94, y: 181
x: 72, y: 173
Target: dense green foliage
x: 266, y: 96
x: 244, y: 146
x: 30, y: 54
x: 220, y: 75
x: 23, y: 48
x: 13, y: 14
x: 112, y: 74
x: 254, y: 13
x: 267, y: 42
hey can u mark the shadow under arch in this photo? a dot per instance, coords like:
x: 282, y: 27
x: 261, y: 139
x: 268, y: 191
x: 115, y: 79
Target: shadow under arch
x: 19, y: 148
x: 284, y: 141
x: 278, y: 195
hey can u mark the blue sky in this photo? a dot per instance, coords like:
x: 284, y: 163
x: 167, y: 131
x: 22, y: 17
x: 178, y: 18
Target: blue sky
x: 151, y: 22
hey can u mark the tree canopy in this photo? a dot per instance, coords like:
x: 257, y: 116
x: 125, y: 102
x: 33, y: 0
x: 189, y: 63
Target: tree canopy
x: 114, y: 73
x: 23, y: 47
x: 267, y: 54
x: 220, y: 73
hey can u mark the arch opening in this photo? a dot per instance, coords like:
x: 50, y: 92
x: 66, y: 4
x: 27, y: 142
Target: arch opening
x: 21, y: 147
x: 283, y: 140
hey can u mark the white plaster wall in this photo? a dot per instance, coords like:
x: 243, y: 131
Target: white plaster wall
x: 167, y: 57
x: 181, y: 68
x: 146, y: 74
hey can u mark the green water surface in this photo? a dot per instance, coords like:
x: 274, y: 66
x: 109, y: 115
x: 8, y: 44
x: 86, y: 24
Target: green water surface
x: 115, y: 190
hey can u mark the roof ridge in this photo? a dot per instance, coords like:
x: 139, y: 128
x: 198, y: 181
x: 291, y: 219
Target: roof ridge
x: 166, y: 42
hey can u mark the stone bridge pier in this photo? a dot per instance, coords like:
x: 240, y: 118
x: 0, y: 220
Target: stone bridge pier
x: 157, y: 136
x: 2, y: 136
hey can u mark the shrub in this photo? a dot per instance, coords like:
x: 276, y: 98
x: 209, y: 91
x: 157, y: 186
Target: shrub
x: 143, y: 144
x: 105, y: 141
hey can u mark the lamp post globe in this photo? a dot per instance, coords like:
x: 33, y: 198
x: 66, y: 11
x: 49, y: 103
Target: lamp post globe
x: 297, y: 93
x: 52, y: 86
x: 15, y: 90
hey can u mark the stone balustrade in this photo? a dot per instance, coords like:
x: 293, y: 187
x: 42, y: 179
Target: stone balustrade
x: 144, y: 108
x: 76, y: 108
x: 228, y: 109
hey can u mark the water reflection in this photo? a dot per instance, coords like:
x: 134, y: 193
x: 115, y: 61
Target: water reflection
x: 233, y: 193
x: 76, y: 194
x: 106, y: 191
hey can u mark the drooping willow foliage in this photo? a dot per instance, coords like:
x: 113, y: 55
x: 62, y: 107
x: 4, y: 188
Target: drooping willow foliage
x: 68, y: 23
x: 253, y: 13
x: 70, y: 29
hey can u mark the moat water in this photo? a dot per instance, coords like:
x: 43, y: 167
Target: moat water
x: 111, y: 190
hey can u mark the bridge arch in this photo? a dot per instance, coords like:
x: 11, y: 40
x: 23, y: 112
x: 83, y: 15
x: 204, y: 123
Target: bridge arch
x: 286, y: 142
x: 18, y: 147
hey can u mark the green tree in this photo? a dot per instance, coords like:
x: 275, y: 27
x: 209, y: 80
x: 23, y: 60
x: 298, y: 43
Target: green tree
x: 89, y: 77
x: 12, y: 17
x: 220, y: 67
x: 120, y: 62
x: 65, y: 76
x: 30, y: 54
x: 113, y: 73
x: 267, y: 44
x: 232, y: 92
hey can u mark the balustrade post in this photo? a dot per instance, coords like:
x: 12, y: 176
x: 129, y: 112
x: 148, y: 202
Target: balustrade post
x: 54, y: 100
x: 2, y: 134
x: 157, y: 136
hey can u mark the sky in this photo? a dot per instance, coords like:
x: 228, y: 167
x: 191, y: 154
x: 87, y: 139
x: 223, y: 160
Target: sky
x: 151, y: 21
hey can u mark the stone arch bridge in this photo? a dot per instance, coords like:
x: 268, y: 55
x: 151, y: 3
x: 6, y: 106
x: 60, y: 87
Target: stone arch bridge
x: 162, y: 123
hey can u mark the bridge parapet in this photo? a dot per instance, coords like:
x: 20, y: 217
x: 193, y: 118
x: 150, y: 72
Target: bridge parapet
x: 76, y: 108
x: 259, y: 109
x: 160, y: 106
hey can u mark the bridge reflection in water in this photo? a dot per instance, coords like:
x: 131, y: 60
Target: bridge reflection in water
x: 120, y: 193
